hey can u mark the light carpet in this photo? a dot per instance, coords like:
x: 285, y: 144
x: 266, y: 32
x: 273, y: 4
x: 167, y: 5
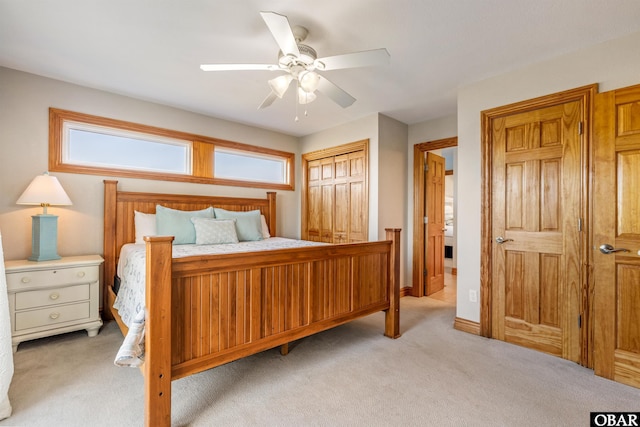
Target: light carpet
x: 349, y: 376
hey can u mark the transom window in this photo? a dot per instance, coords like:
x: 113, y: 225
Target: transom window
x: 81, y: 143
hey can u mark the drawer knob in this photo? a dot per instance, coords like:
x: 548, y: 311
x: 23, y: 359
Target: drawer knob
x: 54, y: 296
x: 25, y: 280
x: 54, y: 316
x: 81, y: 273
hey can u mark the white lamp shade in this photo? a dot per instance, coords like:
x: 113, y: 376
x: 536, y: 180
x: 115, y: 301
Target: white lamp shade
x: 309, y: 81
x: 279, y: 85
x: 44, y: 190
x: 305, y: 97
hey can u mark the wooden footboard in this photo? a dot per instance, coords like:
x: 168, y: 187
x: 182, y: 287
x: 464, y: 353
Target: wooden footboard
x: 206, y: 311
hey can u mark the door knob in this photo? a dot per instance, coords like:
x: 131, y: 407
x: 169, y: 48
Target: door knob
x: 502, y: 240
x: 608, y: 249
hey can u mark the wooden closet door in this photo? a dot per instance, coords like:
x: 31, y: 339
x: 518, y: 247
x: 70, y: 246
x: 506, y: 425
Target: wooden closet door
x: 342, y: 201
x: 358, y: 218
x: 617, y: 224
x: 335, y: 197
x: 320, y: 200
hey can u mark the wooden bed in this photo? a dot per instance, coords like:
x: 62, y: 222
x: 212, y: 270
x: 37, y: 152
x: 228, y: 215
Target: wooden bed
x: 204, y: 311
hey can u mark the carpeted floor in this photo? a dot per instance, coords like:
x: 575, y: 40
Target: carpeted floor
x: 350, y: 376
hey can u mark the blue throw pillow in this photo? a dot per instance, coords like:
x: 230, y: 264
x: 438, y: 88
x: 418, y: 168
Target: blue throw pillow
x: 177, y: 223
x: 248, y: 224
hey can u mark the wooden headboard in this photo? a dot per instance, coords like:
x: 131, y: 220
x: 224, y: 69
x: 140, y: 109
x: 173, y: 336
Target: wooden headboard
x: 119, y: 207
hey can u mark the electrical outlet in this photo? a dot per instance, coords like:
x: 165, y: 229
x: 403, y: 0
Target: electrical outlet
x: 473, y: 296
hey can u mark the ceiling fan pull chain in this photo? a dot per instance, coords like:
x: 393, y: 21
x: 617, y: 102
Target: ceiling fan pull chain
x: 296, y: 97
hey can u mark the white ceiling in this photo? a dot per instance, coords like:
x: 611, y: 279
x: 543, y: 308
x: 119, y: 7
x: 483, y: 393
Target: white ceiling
x: 152, y: 49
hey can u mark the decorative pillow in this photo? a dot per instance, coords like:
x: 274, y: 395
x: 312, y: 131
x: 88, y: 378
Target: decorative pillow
x: 248, y: 224
x: 177, y: 223
x: 145, y: 225
x: 212, y: 231
x: 265, y: 227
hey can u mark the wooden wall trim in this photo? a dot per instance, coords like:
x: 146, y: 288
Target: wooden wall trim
x: 585, y: 94
x: 465, y: 325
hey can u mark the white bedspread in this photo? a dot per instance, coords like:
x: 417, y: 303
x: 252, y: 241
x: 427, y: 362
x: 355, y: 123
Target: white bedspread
x: 6, y: 351
x: 131, y: 267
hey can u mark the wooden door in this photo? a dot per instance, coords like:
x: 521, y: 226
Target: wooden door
x: 320, y: 200
x: 434, y: 228
x: 358, y: 211
x: 617, y: 223
x: 536, y: 206
x: 335, y: 194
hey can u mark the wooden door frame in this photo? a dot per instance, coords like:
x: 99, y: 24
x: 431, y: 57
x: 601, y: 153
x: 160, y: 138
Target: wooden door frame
x: 584, y: 94
x: 417, y: 289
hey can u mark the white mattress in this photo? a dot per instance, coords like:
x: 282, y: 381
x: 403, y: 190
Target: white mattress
x: 131, y: 267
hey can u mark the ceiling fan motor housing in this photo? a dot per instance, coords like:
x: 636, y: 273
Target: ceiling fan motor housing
x: 305, y: 60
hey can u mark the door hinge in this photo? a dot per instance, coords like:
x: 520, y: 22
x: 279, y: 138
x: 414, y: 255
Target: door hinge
x: 579, y: 224
x: 426, y: 167
x: 579, y: 321
x: 580, y: 128
x: 424, y: 273
x: 426, y: 220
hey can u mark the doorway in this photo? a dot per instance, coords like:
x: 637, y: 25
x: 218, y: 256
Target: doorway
x: 420, y: 226
x: 534, y: 257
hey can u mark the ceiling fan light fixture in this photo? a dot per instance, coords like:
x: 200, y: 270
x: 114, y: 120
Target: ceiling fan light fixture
x: 279, y: 85
x: 305, y: 97
x: 309, y: 81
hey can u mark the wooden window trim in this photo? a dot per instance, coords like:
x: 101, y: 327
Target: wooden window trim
x: 202, y: 163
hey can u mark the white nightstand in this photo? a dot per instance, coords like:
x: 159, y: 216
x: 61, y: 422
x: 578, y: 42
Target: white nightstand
x: 53, y: 297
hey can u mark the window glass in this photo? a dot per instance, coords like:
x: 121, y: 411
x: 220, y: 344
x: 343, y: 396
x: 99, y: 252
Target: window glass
x: 94, y: 147
x: 240, y: 165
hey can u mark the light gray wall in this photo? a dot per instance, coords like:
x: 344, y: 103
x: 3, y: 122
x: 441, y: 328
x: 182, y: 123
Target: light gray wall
x: 24, y: 128
x: 392, y: 191
x: 612, y: 65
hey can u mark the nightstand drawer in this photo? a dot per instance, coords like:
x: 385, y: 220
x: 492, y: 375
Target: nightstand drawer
x: 51, y: 316
x: 51, y: 277
x: 45, y: 297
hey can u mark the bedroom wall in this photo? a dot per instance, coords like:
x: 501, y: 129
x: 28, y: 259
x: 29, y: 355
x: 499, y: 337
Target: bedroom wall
x: 612, y: 65
x: 24, y: 103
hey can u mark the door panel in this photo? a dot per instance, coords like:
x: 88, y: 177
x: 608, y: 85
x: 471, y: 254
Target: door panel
x: 617, y: 223
x: 536, y: 205
x: 434, y: 231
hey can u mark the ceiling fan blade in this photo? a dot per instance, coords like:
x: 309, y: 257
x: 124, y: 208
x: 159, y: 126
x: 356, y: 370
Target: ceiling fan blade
x: 338, y: 95
x: 268, y: 100
x: 238, y: 67
x: 366, y: 58
x: 281, y: 30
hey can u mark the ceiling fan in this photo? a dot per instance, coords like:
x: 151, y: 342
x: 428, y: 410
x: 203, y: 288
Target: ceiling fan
x: 301, y: 64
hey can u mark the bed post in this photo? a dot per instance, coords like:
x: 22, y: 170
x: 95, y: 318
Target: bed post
x: 157, y: 359
x: 271, y: 197
x: 109, y: 242
x: 392, y: 316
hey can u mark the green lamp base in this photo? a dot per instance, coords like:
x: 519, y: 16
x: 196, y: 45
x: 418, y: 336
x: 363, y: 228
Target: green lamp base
x: 44, y: 237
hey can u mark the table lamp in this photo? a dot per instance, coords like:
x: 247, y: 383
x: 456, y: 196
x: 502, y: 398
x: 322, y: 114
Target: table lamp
x: 45, y: 190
